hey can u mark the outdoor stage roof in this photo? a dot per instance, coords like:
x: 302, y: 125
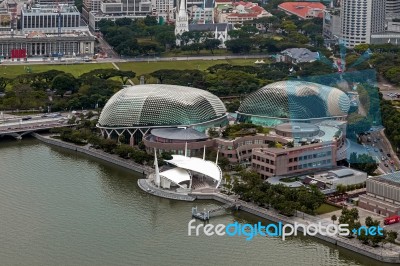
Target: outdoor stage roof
x: 176, y: 175
x: 198, y: 165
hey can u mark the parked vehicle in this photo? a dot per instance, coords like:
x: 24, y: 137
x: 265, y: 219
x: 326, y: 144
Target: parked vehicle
x: 392, y: 220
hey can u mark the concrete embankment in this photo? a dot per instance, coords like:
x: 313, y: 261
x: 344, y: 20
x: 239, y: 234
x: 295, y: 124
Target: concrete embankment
x: 350, y: 244
x: 111, y: 158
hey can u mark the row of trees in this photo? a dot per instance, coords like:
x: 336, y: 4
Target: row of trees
x: 351, y: 217
x: 85, y: 132
x: 363, y: 162
x: 391, y: 122
x: 61, y: 90
x: 227, y: 79
x: 284, y: 199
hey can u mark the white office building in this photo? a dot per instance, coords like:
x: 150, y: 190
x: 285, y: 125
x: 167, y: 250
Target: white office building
x: 392, y: 9
x: 360, y: 19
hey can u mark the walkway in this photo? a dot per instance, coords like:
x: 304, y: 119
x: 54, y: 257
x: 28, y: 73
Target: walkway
x: 147, y: 186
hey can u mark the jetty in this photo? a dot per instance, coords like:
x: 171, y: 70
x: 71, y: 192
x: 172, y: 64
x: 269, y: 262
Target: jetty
x: 207, y: 214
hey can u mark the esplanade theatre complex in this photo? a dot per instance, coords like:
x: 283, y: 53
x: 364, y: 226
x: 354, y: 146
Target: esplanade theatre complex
x: 284, y: 128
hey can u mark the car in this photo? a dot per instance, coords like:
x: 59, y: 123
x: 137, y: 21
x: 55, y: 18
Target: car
x: 386, y: 165
x: 388, y: 155
x: 375, y: 150
x: 383, y: 158
x: 26, y: 118
x: 391, y: 162
x: 381, y: 150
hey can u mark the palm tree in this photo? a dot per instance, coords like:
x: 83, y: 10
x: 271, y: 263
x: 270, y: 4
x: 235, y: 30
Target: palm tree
x: 334, y: 218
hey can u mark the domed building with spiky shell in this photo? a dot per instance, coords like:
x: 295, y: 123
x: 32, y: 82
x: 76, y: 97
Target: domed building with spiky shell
x: 293, y: 101
x: 135, y: 110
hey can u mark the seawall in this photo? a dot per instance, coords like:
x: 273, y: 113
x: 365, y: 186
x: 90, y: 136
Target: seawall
x: 270, y: 215
x: 111, y: 158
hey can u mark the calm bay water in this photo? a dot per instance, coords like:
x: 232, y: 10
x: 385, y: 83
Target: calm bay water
x: 62, y: 208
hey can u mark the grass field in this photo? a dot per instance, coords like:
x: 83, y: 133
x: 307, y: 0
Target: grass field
x: 141, y: 68
x: 12, y: 71
x: 325, y: 208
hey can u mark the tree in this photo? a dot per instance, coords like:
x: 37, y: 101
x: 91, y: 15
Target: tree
x: 228, y: 183
x: 125, y: 75
x: 242, y: 45
x: 369, y: 221
x: 350, y: 217
x: 211, y: 44
x: 3, y: 83
x: 212, y: 132
x: 123, y: 21
x: 223, y: 162
x: 63, y: 83
x: 166, y: 155
x: 392, y: 236
x: 166, y: 38
x: 364, y: 162
x: 334, y: 218
x: 150, y: 21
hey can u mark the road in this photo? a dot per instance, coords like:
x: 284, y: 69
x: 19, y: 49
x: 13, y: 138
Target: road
x: 379, y: 150
x: 39, y: 61
x: 106, y: 48
x: 13, y: 123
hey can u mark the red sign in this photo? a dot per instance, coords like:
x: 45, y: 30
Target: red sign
x: 18, y: 53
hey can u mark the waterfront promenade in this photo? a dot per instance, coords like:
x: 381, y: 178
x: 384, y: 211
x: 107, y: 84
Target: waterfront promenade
x: 389, y: 253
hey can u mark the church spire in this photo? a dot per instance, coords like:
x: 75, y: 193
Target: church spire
x: 182, y: 21
x: 182, y: 9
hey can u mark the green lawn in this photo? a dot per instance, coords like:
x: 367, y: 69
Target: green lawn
x: 325, y: 208
x: 11, y: 71
x: 141, y: 68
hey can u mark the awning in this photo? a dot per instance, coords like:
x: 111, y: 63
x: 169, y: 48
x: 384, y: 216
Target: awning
x: 198, y: 165
x: 176, y: 175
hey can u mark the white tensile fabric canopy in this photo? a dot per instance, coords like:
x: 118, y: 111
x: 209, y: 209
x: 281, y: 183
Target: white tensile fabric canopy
x: 198, y: 165
x: 176, y: 175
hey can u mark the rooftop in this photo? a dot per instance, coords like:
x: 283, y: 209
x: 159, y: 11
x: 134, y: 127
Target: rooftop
x: 40, y: 9
x: 342, y: 172
x: 210, y: 27
x: 178, y: 133
x: 297, y: 127
x: 302, y: 9
x: 301, y: 54
x: 391, y: 179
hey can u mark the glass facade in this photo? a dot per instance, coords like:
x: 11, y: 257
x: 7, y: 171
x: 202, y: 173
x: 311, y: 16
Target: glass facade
x: 286, y: 101
x: 163, y: 105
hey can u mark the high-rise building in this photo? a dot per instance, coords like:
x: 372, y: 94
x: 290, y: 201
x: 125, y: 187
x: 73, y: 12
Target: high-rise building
x: 360, y: 19
x: 164, y: 9
x: 50, y: 19
x: 392, y: 9
x: 54, y: 2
